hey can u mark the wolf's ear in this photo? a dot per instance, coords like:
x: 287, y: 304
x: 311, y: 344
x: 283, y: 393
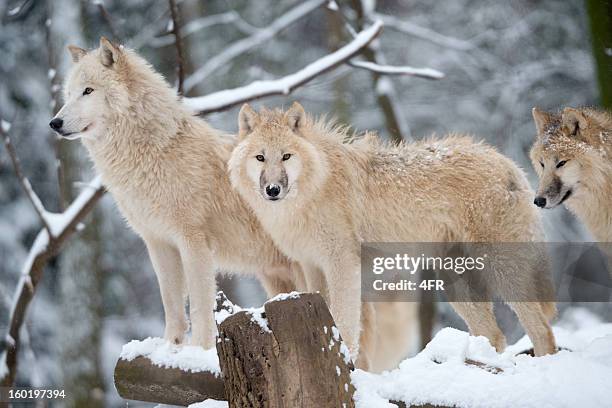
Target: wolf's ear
x: 247, y: 118
x: 109, y: 53
x: 76, y: 52
x: 541, y: 119
x: 573, y: 121
x: 295, y: 116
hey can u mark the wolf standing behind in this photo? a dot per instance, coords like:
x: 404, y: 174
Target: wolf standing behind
x: 572, y: 155
x: 319, y: 198
x: 166, y: 170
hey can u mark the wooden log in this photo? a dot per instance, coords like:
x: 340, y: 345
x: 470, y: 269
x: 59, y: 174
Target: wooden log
x: 139, y: 379
x: 287, y: 355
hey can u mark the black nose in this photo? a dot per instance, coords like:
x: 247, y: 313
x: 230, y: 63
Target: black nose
x: 56, y: 124
x: 540, y: 202
x: 273, y: 190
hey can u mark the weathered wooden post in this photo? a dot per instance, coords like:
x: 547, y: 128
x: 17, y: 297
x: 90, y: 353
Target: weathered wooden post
x: 287, y: 354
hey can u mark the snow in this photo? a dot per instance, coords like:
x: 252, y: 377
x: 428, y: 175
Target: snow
x: 438, y: 375
x: 6, y: 126
x: 285, y: 296
x: 210, y: 403
x: 285, y: 85
x: 257, y: 314
x: 58, y: 222
x: 165, y: 354
x: 427, y: 73
x: 51, y: 73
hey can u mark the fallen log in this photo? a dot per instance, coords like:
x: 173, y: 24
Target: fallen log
x: 139, y: 379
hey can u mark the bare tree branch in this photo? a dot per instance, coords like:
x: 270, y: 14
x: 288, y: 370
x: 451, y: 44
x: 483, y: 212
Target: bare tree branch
x: 192, y: 27
x: 107, y: 18
x: 23, y: 181
x: 222, y: 100
x: 178, y: 43
x: 423, y: 33
x: 427, y: 73
x: 240, y: 47
x: 44, y: 248
x: 396, y: 121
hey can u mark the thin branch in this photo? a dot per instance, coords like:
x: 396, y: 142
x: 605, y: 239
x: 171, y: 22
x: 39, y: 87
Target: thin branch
x: 427, y: 73
x: 222, y: 100
x: 23, y: 181
x: 192, y: 27
x: 244, y: 45
x: 107, y: 18
x: 178, y: 43
x: 423, y: 33
x: 44, y: 248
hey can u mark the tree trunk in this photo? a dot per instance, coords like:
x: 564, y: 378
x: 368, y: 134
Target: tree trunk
x: 295, y: 358
x: 600, y: 15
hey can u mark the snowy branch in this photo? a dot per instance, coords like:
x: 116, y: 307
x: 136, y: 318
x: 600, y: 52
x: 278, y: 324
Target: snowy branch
x: 57, y: 229
x: 259, y: 37
x: 178, y: 43
x: 423, y: 33
x: 107, y: 18
x: 283, y: 86
x: 427, y: 73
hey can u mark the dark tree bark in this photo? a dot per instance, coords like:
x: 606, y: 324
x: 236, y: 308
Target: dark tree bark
x: 600, y: 16
x: 295, y: 362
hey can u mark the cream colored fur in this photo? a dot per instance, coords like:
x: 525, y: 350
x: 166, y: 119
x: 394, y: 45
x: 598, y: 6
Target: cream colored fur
x: 166, y: 169
x: 583, y: 139
x: 336, y: 195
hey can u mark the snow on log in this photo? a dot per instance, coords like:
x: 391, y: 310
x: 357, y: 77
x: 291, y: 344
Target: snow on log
x: 154, y: 370
x: 283, y: 86
x: 244, y: 45
x: 291, y: 355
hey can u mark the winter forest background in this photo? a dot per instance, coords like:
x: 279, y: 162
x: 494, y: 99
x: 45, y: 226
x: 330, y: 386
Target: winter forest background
x: 499, y: 59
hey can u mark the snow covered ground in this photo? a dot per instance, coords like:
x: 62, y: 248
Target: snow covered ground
x: 438, y: 375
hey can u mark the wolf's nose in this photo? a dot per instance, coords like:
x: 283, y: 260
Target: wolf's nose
x: 540, y: 202
x: 273, y: 190
x: 56, y: 123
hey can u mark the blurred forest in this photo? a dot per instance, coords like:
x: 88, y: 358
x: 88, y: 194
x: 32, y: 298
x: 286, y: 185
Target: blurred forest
x: 499, y: 59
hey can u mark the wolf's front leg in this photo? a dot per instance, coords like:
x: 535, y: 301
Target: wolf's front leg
x: 344, y: 285
x: 167, y: 265
x: 201, y: 286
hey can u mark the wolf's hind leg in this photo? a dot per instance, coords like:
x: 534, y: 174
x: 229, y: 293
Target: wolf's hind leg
x: 167, y: 265
x: 481, y: 321
x: 535, y: 321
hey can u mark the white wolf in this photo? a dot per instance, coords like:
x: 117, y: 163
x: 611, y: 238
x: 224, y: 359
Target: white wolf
x: 166, y: 170
x: 319, y: 197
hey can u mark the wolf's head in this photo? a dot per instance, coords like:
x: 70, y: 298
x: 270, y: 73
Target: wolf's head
x: 274, y: 159
x: 562, y: 153
x: 92, y: 90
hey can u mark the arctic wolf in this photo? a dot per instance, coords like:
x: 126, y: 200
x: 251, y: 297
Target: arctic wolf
x: 572, y: 154
x: 166, y: 170
x: 319, y: 197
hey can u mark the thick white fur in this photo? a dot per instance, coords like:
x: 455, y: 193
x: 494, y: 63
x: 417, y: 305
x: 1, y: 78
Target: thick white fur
x: 166, y: 170
x: 341, y: 194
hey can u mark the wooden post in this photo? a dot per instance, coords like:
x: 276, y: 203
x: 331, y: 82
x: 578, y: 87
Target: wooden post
x: 289, y: 354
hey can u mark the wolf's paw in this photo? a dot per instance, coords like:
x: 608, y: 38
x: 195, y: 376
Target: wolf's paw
x: 205, y: 341
x: 175, y: 333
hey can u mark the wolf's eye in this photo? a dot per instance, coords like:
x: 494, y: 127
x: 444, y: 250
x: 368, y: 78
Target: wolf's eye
x: 286, y: 156
x: 260, y: 157
x: 542, y: 164
x: 561, y: 163
x: 87, y: 91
